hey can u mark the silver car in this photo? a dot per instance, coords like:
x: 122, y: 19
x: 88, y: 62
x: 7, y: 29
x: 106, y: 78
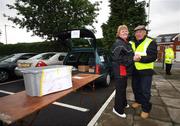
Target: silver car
x: 40, y: 60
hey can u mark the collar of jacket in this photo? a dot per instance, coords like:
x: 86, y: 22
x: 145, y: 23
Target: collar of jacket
x: 122, y: 39
x: 139, y: 41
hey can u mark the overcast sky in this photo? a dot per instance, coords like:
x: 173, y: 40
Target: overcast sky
x: 164, y: 17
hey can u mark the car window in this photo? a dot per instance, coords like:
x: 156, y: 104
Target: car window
x: 27, y: 56
x: 61, y: 58
x: 80, y: 58
x: 37, y: 56
x: 83, y: 59
x: 47, y: 56
x: 91, y: 60
x: 10, y: 58
x: 43, y: 56
x: 103, y: 57
x: 73, y: 57
x: 86, y: 59
x: 80, y: 42
x: 6, y: 57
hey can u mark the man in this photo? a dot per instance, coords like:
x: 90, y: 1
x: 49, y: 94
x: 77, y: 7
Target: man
x: 145, y: 53
x: 169, y: 57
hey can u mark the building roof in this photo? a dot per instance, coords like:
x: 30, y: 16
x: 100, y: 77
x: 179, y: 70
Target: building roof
x: 167, y: 37
x: 173, y: 35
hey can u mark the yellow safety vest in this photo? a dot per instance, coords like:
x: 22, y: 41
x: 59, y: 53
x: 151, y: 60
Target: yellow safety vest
x: 141, y: 50
x: 169, y: 55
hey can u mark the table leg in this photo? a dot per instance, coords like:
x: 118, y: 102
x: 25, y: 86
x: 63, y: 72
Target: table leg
x: 93, y: 96
x: 35, y: 116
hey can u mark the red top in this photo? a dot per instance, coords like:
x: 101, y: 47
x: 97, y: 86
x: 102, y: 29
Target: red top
x: 122, y: 70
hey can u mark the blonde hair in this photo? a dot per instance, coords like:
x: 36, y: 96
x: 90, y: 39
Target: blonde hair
x: 121, y: 27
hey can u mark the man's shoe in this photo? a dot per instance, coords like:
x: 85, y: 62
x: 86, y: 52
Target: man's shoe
x: 120, y: 115
x: 144, y: 115
x: 135, y: 105
x: 168, y: 73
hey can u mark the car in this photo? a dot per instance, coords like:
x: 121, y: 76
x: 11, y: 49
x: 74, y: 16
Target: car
x: 87, y: 58
x: 40, y: 60
x: 9, y: 63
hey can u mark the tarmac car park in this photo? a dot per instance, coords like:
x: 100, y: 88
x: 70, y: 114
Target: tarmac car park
x: 89, y: 60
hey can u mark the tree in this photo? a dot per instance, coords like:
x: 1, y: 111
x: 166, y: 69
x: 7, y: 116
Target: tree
x: 128, y: 12
x: 47, y: 17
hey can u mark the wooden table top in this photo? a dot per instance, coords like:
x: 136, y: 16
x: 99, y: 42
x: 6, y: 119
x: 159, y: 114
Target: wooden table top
x: 19, y: 105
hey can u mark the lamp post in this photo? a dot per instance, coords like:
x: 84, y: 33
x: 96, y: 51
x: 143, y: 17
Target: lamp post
x: 5, y: 33
x: 5, y: 26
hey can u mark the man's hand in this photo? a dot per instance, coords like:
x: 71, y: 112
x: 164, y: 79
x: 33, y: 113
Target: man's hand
x: 137, y: 57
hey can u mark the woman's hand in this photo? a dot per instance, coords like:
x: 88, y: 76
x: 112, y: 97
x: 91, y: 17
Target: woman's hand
x: 137, y: 57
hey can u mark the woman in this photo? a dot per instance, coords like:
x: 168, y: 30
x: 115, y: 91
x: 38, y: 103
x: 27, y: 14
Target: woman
x: 122, y: 56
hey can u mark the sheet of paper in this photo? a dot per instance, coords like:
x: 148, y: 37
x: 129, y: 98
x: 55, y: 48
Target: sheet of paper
x: 56, y: 80
x: 75, y: 34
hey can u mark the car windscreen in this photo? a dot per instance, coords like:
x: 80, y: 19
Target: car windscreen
x: 80, y: 58
x: 10, y: 58
x: 79, y: 42
x: 44, y: 56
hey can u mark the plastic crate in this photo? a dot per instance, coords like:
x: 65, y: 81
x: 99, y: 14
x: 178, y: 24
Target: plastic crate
x: 41, y: 81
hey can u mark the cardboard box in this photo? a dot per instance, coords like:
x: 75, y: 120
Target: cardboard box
x: 91, y: 69
x: 83, y: 68
x: 41, y: 81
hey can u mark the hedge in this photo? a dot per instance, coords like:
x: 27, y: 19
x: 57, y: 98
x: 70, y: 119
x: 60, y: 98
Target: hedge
x: 37, y: 47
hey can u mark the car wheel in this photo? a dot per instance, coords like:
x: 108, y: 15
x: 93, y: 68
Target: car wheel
x: 107, y: 80
x: 4, y: 75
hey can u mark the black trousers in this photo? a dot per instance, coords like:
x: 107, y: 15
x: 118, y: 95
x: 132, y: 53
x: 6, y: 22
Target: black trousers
x: 120, y: 96
x: 168, y: 68
x: 141, y: 86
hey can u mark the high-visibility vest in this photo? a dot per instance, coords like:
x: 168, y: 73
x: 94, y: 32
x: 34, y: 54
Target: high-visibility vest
x: 169, y: 55
x: 141, y: 50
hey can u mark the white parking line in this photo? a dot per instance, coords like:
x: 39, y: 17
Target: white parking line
x: 10, y: 82
x: 71, y: 107
x: 6, y: 92
x: 98, y: 114
x: 56, y: 103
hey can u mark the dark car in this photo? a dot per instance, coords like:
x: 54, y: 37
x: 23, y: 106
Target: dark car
x: 8, y: 64
x: 87, y: 59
